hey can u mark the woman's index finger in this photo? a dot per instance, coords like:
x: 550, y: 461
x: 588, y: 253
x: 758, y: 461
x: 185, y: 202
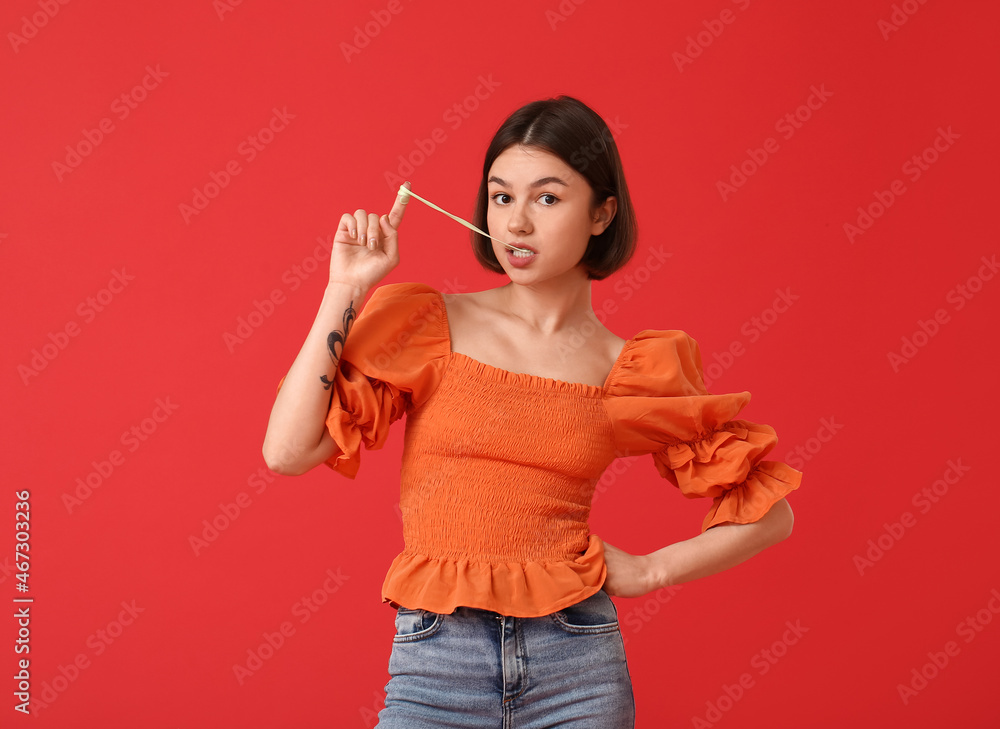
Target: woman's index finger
x: 399, y: 207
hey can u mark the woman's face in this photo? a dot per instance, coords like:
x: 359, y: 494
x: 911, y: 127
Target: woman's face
x: 538, y: 201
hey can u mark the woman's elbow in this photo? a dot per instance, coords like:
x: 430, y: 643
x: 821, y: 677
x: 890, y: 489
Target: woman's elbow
x: 281, y: 461
x: 782, y: 520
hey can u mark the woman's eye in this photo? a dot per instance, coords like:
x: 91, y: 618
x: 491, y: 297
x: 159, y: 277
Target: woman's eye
x: 548, y: 195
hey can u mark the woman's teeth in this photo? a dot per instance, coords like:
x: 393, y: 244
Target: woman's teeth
x: 519, y: 254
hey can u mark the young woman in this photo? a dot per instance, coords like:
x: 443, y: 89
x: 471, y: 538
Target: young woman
x: 516, y: 399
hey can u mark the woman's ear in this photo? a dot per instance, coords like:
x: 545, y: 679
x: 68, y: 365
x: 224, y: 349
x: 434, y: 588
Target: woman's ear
x: 603, y: 215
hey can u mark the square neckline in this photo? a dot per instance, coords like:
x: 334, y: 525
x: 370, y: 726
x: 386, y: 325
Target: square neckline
x: 512, y: 377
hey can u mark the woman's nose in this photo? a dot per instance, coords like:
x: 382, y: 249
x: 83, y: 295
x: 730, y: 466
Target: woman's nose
x: 518, y: 221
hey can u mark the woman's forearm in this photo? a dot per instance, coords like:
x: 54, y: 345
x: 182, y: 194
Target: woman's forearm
x: 719, y: 548
x: 297, y: 424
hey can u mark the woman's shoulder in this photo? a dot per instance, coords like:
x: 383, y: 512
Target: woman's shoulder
x: 650, y: 345
x: 406, y: 312
x: 403, y: 300
x: 655, y: 360
x: 403, y: 289
x: 467, y: 299
x: 400, y: 337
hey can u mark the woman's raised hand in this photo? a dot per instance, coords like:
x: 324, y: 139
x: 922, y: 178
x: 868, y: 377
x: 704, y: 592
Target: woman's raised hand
x: 366, y: 246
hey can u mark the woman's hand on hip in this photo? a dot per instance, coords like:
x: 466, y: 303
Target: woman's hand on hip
x: 629, y: 575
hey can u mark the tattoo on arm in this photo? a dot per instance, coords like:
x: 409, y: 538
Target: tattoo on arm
x: 335, y: 342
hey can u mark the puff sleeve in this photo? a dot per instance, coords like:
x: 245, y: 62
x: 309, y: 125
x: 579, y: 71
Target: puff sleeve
x: 661, y: 406
x: 392, y: 360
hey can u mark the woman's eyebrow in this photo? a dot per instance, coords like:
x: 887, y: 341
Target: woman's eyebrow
x: 536, y: 183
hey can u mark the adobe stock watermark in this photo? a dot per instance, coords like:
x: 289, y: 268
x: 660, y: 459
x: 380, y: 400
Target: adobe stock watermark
x: 87, y: 310
x: 626, y: 286
x: 121, y: 107
x: 369, y: 714
x: 753, y: 329
x: 6, y: 569
x: 364, y: 35
x: 926, y: 329
x: 429, y: 314
x: 562, y: 12
x: 131, y: 439
x: 801, y: 454
x: 48, y: 9
x: 639, y: 617
x: 629, y: 282
x: 970, y: 627
x: 786, y: 126
x: 762, y: 662
x: 292, y: 277
x: 248, y: 149
x: 454, y: 116
x: 229, y: 511
x: 223, y: 7
x: 98, y: 642
x: 455, y: 443
x: 621, y: 465
x: 897, y: 19
x: 697, y: 44
x: 303, y: 609
x: 582, y: 158
x: 914, y: 168
x: 923, y: 500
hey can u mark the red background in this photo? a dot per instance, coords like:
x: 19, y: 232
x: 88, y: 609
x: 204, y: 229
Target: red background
x: 679, y: 130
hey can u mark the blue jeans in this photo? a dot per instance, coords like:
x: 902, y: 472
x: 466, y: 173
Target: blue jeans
x: 476, y: 669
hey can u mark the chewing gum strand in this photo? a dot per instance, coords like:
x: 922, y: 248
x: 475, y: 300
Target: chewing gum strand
x: 470, y: 226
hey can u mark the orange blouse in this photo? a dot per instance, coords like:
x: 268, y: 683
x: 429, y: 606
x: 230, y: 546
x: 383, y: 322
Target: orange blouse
x: 499, y: 468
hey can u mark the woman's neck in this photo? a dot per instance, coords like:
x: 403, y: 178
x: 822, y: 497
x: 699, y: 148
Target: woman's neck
x: 550, y: 308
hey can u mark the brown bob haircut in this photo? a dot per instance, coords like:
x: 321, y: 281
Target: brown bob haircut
x: 572, y: 131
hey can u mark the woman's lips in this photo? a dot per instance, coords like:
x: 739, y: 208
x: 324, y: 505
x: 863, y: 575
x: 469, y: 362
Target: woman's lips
x: 520, y: 261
